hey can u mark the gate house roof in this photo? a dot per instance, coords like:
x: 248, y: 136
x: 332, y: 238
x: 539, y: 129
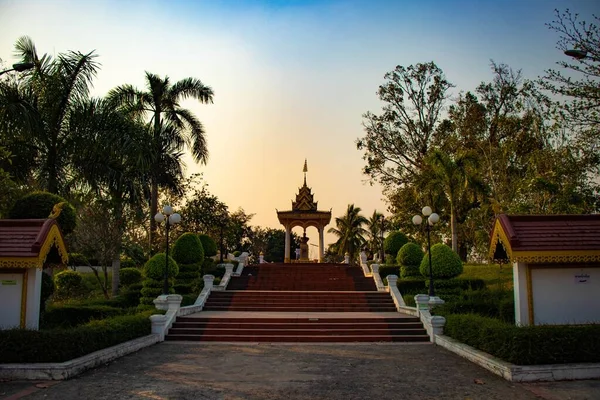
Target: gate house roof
x: 26, y: 243
x: 546, y: 238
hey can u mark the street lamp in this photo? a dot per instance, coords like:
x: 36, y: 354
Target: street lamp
x: 432, y: 219
x: 172, y: 219
x: 19, y: 67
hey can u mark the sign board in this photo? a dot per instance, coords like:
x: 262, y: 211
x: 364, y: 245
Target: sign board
x: 582, y: 278
x: 8, y: 282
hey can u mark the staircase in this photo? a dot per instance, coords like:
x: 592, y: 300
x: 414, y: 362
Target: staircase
x: 299, y: 303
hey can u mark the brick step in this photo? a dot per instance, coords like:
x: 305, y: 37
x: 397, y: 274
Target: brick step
x: 304, y: 302
x: 297, y: 339
x: 250, y: 324
x: 302, y: 308
x: 358, y: 320
x: 267, y: 293
x: 296, y: 332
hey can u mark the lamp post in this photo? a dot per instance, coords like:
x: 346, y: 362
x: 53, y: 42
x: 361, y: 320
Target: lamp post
x: 382, y: 218
x: 19, y: 67
x: 171, y: 219
x: 432, y: 218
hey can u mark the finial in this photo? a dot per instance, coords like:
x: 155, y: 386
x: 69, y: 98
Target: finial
x: 305, y: 170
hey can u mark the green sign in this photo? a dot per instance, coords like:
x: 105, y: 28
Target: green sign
x: 11, y: 282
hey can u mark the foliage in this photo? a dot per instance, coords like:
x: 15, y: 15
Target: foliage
x: 208, y: 244
x: 134, y: 252
x: 59, y: 345
x: 188, y: 278
x: 77, y: 260
x: 394, y: 242
x: 444, y: 262
x: 188, y: 249
x: 130, y: 276
x: 68, y: 284
x: 377, y: 226
x: 46, y: 291
x: 385, y: 270
x: 532, y: 345
x: 350, y: 232
x: 155, y: 267
x: 271, y: 242
x: 40, y: 205
x: 126, y: 262
x: 410, y: 255
x: 68, y: 315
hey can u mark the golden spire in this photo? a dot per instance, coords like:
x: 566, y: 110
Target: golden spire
x: 305, y: 170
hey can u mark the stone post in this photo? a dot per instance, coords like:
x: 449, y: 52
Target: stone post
x: 287, y: 245
x: 208, y: 282
x: 363, y: 257
x: 422, y: 302
x: 347, y: 258
x: 261, y: 258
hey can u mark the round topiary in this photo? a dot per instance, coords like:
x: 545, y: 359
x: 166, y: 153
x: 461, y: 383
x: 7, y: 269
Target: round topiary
x: 188, y: 249
x: 410, y: 254
x: 127, y: 262
x: 155, y: 267
x: 394, y: 242
x: 130, y: 276
x: 39, y: 205
x: 68, y: 283
x: 445, y: 263
x: 208, y: 244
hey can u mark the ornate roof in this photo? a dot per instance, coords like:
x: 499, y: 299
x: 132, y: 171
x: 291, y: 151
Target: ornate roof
x: 28, y: 243
x: 546, y: 238
x: 304, y: 199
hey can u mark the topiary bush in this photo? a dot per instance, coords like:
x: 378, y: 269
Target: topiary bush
x: 127, y: 262
x: 39, y: 205
x: 130, y: 276
x: 208, y: 244
x: 68, y: 284
x: 187, y: 279
x: 154, y: 271
x: 188, y: 249
x: 70, y: 315
x: 409, y: 258
x: 394, y: 242
x: 445, y: 263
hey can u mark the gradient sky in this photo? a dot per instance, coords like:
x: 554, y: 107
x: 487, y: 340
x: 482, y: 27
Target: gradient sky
x: 291, y: 78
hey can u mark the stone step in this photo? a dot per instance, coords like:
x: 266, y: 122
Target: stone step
x: 300, y: 339
x: 293, y: 331
x: 315, y: 319
x: 346, y: 326
x: 301, y: 308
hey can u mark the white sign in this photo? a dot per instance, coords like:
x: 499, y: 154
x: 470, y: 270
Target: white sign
x: 582, y: 278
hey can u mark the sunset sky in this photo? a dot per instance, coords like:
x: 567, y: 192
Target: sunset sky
x: 291, y: 78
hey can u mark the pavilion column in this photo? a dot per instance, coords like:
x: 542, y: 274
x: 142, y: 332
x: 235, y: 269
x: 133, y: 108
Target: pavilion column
x: 321, y: 244
x: 287, y: 244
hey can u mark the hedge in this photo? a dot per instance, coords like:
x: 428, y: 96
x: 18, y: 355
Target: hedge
x: 68, y: 284
x: 531, y: 345
x: 40, y: 204
x: 58, y: 345
x: 394, y: 242
x: 208, y: 244
x: 73, y: 315
x: 154, y: 271
x: 445, y: 263
x: 385, y: 270
x: 188, y: 249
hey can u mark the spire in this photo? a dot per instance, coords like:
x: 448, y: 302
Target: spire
x: 305, y: 170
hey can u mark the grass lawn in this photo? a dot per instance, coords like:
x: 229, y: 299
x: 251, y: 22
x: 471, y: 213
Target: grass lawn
x: 495, y: 277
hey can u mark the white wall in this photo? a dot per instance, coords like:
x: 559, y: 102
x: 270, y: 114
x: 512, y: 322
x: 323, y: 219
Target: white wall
x: 34, y: 291
x: 520, y: 289
x: 565, y: 295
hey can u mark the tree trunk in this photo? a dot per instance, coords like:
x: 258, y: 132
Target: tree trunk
x: 153, y: 211
x: 116, y: 264
x: 454, y: 229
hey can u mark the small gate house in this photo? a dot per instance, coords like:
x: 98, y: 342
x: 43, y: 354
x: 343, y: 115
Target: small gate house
x: 556, y: 266
x: 26, y: 247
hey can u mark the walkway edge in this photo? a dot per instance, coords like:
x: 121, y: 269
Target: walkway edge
x: 71, y: 368
x: 520, y: 373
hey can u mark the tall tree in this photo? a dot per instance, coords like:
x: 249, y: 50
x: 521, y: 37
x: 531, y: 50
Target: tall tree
x: 36, y: 110
x: 397, y: 140
x: 160, y: 103
x: 350, y: 232
x: 376, y: 228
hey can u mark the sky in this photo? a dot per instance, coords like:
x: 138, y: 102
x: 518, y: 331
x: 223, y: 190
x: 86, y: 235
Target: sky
x: 292, y: 79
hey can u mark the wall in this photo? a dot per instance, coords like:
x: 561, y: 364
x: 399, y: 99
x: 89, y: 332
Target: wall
x: 11, y: 288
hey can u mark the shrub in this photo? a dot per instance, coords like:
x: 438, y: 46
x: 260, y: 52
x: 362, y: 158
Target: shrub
x: 208, y: 244
x: 385, y: 270
x: 127, y: 262
x: 187, y: 279
x: 40, y: 204
x: 394, y: 242
x: 77, y: 259
x: 532, y: 345
x: 410, y: 254
x: 461, y: 284
x: 68, y: 284
x: 131, y: 295
x: 237, y: 253
x: 412, y: 287
x: 188, y: 249
x: 47, y: 290
x: 444, y: 262
x: 67, y: 316
x: 154, y: 272
x: 136, y: 253
x: 130, y: 276
x: 59, y: 345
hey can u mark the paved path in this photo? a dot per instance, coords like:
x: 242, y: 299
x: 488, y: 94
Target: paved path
x: 279, y: 371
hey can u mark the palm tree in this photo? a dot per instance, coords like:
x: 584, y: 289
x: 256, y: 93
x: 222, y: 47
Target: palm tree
x: 350, y: 232
x: 455, y: 175
x: 160, y: 102
x: 375, y: 232
x: 36, y: 109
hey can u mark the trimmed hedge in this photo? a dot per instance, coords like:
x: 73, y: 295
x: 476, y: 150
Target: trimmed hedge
x: 130, y: 276
x: 409, y: 258
x: 154, y: 272
x: 72, y: 315
x: 394, y: 242
x: 187, y: 279
x: 208, y: 244
x: 445, y: 263
x: 68, y: 284
x: 385, y: 270
x: 188, y: 249
x: 39, y: 205
x: 58, y: 345
x: 531, y: 345
x: 127, y: 262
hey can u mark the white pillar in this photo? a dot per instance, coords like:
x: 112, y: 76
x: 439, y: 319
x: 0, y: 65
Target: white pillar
x: 287, y: 245
x: 321, y: 245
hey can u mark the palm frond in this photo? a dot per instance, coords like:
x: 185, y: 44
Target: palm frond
x: 191, y: 88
